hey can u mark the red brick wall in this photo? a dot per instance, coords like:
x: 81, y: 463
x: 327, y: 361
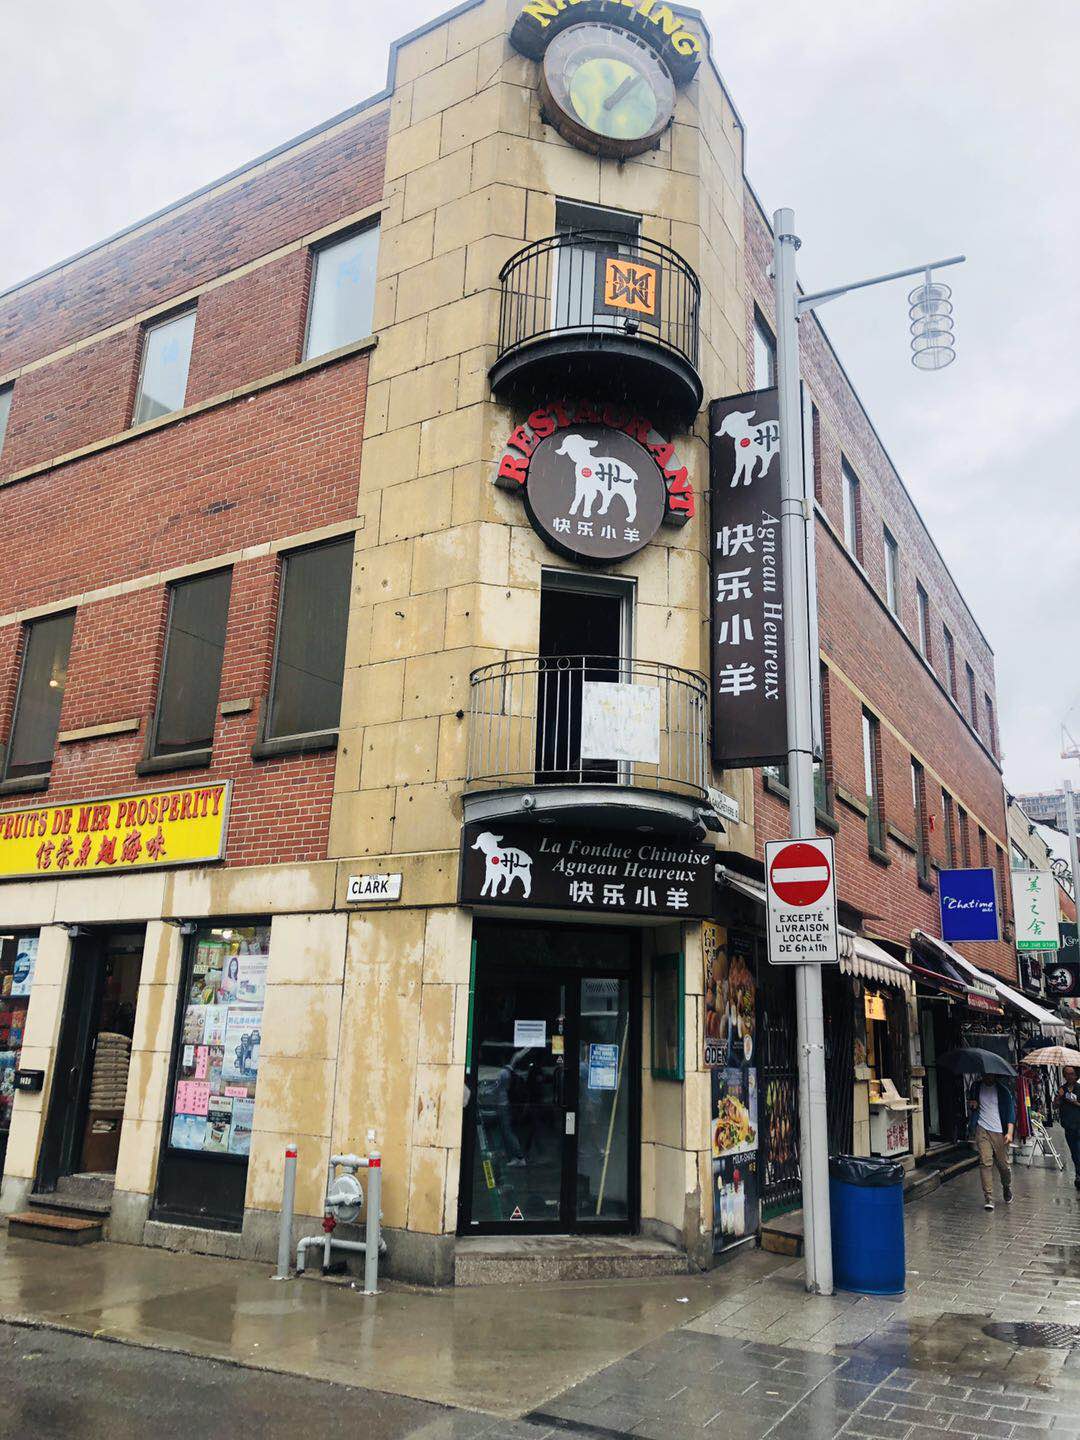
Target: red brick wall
x: 281, y: 462
x: 325, y: 182
x: 876, y: 658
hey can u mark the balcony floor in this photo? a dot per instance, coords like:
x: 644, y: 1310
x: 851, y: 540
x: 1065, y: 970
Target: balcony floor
x: 611, y: 807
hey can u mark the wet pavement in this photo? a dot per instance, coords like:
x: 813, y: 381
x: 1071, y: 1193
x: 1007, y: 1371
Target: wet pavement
x: 985, y: 1341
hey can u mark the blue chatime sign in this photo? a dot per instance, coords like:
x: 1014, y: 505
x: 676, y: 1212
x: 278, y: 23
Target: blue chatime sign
x: 969, y: 905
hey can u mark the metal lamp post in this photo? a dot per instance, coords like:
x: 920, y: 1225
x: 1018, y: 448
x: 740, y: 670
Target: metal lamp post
x: 801, y: 667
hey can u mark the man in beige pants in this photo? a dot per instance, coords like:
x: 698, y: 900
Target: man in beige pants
x: 994, y: 1111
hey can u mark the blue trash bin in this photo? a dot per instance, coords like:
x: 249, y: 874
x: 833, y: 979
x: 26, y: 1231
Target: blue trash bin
x: 867, y: 1199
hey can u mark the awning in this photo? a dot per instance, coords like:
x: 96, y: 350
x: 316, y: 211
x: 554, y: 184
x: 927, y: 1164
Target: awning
x: 858, y: 955
x: 1050, y: 1024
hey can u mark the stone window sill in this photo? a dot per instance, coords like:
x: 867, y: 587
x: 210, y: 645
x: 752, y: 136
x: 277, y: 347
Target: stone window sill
x: 162, y: 764
x: 879, y: 856
x: 24, y: 785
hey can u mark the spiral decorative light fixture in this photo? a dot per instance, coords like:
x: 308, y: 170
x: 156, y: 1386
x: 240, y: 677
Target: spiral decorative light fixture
x: 933, y: 341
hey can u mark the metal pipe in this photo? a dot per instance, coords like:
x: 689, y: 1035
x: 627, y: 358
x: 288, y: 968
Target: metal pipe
x: 800, y: 594
x: 373, y: 1228
x: 285, y: 1223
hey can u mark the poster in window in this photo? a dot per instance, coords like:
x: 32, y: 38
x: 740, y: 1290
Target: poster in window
x: 734, y: 1111
x: 243, y: 1114
x: 22, y: 974
x: 251, y: 979
x: 242, y: 1039
x: 730, y: 998
x: 218, y: 1124
x: 188, y: 1132
x: 736, y: 1199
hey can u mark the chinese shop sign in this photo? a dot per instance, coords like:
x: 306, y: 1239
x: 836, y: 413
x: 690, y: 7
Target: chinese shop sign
x: 125, y: 832
x: 969, y: 909
x: 749, y: 712
x: 597, y: 481
x: 1035, y: 906
x: 660, y: 25
x: 610, y: 872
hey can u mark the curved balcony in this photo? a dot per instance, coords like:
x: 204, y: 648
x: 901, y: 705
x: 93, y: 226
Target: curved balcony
x: 598, y: 315
x: 586, y: 739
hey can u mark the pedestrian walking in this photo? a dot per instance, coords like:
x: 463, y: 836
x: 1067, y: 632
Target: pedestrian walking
x: 993, y: 1118
x: 1067, y: 1101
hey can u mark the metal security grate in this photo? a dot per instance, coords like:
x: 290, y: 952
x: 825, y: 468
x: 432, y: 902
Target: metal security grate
x: 1034, y: 1335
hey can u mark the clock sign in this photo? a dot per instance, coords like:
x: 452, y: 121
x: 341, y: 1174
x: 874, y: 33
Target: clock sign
x: 607, y: 91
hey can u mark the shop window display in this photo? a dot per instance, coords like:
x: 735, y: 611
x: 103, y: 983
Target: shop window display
x: 213, y: 1099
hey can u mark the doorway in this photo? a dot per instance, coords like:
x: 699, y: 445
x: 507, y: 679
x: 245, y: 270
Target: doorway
x: 584, y: 637
x: 86, y: 1110
x: 553, y: 1114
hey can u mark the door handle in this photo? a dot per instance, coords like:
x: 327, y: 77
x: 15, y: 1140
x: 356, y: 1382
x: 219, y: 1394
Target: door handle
x: 571, y: 1122
x: 73, y: 1082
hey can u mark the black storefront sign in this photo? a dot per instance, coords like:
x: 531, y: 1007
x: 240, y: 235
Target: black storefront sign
x: 749, y: 707
x: 611, y: 872
x: 1061, y: 972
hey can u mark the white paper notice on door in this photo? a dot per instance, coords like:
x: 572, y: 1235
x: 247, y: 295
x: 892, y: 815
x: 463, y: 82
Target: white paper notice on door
x: 620, y: 722
x: 530, y: 1033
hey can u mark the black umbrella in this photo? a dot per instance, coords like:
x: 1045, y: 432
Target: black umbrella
x: 972, y: 1061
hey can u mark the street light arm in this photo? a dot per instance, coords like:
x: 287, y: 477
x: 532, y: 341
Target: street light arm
x: 822, y: 297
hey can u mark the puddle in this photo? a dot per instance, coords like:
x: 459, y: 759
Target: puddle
x: 1033, y: 1335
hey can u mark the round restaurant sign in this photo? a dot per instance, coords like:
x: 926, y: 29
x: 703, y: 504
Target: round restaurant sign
x: 594, y: 494
x: 800, y: 874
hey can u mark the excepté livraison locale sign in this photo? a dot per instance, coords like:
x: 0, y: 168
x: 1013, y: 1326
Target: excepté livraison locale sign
x: 749, y: 705
x: 597, y: 481
x: 969, y: 904
x: 610, y: 872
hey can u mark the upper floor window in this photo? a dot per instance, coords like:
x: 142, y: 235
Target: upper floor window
x: 950, y: 660
x: 949, y: 810
x: 875, y: 819
x: 984, y: 849
x: 923, y: 601
x: 309, y: 658
x: 163, y: 374
x: 965, y: 836
x: 973, y: 705
x: 991, y: 725
x: 922, y: 836
x: 892, y: 572
x: 6, y: 392
x: 40, y: 696
x: 191, y: 672
x: 811, y: 445
x: 852, y: 519
x: 579, y: 264
x: 764, y: 353
x: 342, y: 292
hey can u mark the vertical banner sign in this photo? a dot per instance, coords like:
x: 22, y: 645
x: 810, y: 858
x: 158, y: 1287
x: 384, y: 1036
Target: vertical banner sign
x: 749, y: 719
x: 1035, y: 906
x: 969, y: 909
x: 1061, y: 972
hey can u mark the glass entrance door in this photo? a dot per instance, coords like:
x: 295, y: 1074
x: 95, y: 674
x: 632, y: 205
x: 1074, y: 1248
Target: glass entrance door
x: 551, y: 1118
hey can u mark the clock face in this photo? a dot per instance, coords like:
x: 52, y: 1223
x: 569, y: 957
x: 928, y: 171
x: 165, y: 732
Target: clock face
x: 606, y: 90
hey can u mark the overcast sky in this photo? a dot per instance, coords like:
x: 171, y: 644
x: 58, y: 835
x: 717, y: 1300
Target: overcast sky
x: 899, y: 133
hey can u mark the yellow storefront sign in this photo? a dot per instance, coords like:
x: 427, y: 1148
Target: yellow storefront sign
x: 122, y: 832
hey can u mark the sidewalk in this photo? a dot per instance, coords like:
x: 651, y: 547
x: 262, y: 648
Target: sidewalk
x: 739, y: 1354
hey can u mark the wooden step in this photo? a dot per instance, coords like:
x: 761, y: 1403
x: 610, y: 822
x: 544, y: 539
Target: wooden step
x: 54, y: 1229
x: 63, y: 1204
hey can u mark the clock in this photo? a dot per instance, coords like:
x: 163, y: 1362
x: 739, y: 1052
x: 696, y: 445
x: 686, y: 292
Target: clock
x: 606, y: 91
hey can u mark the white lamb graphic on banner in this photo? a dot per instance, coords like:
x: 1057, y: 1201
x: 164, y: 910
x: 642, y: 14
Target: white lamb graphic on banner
x: 599, y: 478
x: 504, y: 866
x: 753, y: 443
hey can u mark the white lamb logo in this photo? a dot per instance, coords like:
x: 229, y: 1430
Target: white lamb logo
x: 600, y: 477
x: 753, y: 443
x: 504, y: 866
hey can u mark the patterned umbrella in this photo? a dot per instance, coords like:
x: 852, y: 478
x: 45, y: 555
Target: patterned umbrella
x: 1053, y: 1055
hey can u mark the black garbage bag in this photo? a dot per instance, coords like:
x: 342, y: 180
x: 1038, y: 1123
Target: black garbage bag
x: 869, y: 1172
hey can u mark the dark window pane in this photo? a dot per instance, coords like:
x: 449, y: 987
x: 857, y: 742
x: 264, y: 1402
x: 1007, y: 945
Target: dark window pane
x: 191, y: 677
x: 41, y: 694
x: 311, y: 640
x: 163, y: 381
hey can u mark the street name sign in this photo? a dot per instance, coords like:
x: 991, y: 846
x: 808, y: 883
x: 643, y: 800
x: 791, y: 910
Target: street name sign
x: 800, y: 876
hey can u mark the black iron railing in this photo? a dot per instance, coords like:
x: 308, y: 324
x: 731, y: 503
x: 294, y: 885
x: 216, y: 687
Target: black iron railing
x: 558, y: 285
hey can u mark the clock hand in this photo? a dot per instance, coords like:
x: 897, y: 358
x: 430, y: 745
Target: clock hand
x: 624, y: 89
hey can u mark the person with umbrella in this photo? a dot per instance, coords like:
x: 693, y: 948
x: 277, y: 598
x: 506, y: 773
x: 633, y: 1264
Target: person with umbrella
x: 992, y: 1108
x: 1067, y: 1099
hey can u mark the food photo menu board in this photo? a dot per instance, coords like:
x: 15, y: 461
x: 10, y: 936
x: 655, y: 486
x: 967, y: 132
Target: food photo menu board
x: 220, y: 1034
x: 730, y: 1054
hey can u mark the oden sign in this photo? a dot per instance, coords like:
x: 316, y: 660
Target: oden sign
x: 801, y: 880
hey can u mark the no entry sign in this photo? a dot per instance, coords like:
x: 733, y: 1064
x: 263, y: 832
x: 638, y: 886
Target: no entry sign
x: 801, y: 880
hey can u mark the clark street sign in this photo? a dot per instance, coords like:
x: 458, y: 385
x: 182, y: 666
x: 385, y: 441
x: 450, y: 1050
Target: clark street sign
x: 800, y: 877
